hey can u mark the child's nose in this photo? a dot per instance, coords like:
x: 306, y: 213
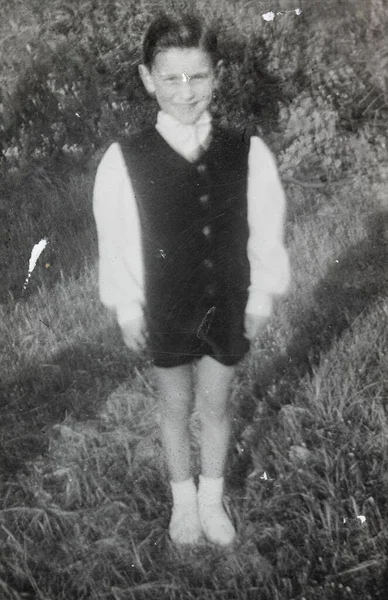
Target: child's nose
x: 186, y: 90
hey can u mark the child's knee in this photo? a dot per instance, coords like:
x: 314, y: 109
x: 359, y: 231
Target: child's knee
x: 175, y: 406
x: 175, y: 391
x: 211, y: 406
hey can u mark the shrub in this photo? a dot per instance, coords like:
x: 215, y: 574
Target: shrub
x: 78, y: 87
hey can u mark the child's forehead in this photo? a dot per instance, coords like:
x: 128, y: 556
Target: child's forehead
x: 182, y: 60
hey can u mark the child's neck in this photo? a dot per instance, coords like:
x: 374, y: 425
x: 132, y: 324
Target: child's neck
x: 186, y: 139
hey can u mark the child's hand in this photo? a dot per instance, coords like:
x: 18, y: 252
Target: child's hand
x: 133, y: 333
x: 254, y: 325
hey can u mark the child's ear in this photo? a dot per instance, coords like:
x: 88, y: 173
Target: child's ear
x: 219, y: 70
x: 147, y: 79
x: 220, y: 64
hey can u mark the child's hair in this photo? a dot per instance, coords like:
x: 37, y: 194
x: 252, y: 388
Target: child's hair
x: 184, y: 31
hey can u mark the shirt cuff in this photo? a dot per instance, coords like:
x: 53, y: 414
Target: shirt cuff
x: 259, y: 303
x: 128, y: 312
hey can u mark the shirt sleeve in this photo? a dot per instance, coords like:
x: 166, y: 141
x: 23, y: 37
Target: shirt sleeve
x: 120, y: 266
x: 269, y: 263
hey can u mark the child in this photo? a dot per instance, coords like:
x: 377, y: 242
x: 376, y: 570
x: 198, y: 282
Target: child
x: 190, y: 231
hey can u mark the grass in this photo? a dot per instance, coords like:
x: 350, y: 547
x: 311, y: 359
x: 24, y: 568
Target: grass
x: 84, y: 495
x: 85, y: 502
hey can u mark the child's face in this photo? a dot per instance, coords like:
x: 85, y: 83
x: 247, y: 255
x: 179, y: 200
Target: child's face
x: 183, y: 80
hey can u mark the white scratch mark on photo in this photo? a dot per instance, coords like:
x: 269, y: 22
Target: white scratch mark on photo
x: 361, y: 518
x: 36, y: 252
x: 269, y: 16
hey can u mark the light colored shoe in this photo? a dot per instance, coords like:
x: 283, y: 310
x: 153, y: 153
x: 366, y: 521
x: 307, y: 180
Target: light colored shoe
x: 215, y: 523
x: 185, y: 526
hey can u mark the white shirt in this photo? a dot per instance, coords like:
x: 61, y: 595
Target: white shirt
x: 121, y: 277
x: 184, y: 139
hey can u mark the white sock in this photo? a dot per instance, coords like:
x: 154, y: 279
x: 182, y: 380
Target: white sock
x: 185, y: 526
x: 215, y: 523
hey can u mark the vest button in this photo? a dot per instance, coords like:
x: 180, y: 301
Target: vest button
x: 209, y: 264
x: 210, y: 291
x: 201, y: 168
x: 206, y: 231
x: 204, y: 199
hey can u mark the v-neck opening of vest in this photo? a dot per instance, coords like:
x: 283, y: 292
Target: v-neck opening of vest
x: 184, y: 158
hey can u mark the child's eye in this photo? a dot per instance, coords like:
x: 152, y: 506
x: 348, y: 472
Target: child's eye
x: 171, y: 79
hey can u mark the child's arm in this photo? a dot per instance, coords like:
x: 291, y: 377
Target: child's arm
x: 270, y: 271
x: 120, y: 272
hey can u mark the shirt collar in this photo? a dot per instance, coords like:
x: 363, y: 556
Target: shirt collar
x: 185, y: 139
x: 168, y: 120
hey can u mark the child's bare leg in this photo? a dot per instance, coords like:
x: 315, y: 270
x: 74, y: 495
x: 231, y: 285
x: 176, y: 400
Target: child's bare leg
x: 176, y: 396
x: 175, y: 386
x: 213, y: 395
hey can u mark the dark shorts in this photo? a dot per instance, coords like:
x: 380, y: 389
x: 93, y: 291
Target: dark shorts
x: 213, y: 329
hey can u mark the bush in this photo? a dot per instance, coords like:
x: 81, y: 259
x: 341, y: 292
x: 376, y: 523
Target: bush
x: 78, y: 86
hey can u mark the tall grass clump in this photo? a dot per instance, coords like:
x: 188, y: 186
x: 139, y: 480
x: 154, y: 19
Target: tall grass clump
x: 84, y: 502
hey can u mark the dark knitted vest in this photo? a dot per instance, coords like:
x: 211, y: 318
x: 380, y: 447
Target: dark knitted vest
x: 194, y: 222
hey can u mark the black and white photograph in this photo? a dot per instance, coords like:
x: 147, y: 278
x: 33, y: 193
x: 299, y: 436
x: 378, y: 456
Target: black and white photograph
x: 193, y: 300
